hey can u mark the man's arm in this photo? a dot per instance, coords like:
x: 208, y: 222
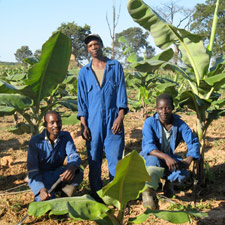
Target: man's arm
x: 150, y: 143
x: 118, y: 123
x: 172, y: 164
x: 193, y: 145
x: 35, y: 178
x: 85, y: 132
x: 121, y: 100
x: 73, y: 160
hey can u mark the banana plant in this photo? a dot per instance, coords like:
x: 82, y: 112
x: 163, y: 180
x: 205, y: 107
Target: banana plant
x: 146, y: 84
x: 203, y: 95
x: 130, y: 179
x: 41, y: 90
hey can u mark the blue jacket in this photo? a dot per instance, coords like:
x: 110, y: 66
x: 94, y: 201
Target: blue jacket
x: 42, y: 157
x: 97, y: 103
x: 152, y: 136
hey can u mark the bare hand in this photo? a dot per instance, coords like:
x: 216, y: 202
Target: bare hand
x: 44, y: 195
x: 184, y: 164
x: 85, y: 132
x: 69, y: 174
x: 172, y: 164
x: 117, y: 125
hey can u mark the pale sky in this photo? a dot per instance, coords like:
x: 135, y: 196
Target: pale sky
x: 32, y: 22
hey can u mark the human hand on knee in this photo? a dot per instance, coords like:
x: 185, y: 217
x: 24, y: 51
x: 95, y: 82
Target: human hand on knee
x: 69, y: 174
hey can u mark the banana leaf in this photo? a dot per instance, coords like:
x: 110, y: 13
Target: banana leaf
x: 51, y: 70
x: 164, y: 34
x: 216, y: 81
x: 16, y: 101
x: 130, y: 172
x: 79, y: 208
x: 194, y: 102
x: 6, y: 110
x: 10, y: 89
x: 176, y: 217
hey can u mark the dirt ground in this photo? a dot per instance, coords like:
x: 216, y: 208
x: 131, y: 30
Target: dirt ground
x: 15, y: 195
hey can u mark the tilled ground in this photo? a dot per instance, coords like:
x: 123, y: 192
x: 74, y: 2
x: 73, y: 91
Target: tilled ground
x: 14, y: 202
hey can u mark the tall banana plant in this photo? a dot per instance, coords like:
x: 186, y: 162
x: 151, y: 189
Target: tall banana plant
x: 39, y: 94
x: 204, y: 81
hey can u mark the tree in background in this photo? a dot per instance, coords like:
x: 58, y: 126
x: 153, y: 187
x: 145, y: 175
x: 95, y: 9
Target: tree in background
x: 138, y: 42
x: 37, y: 54
x: 171, y: 10
x: 202, y: 23
x: 22, y: 53
x: 77, y: 35
x: 112, y: 30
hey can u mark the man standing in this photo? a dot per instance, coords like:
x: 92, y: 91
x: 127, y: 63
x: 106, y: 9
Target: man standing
x: 102, y: 105
x: 46, y: 154
x: 161, y: 135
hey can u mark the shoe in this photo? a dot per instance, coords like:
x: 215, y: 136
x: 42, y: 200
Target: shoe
x: 168, y: 189
x: 69, y: 190
x: 149, y: 199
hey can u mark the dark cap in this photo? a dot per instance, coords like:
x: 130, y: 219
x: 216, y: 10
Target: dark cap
x: 91, y: 37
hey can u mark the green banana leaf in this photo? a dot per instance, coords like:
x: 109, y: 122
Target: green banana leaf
x: 164, y: 34
x: 79, y: 208
x: 6, y: 110
x: 51, y: 70
x: 150, y: 65
x: 176, y: 217
x: 213, y: 115
x: 216, y: 81
x: 218, y: 66
x: 128, y: 183
x: 219, y: 103
x: 16, y: 77
x: 68, y: 103
x: 20, y: 128
x: 194, y: 102
x: 16, y: 101
x: 213, y: 30
x: 31, y: 60
x: 10, y: 89
x: 164, y: 56
x: 69, y: 79
x: 169, y: 88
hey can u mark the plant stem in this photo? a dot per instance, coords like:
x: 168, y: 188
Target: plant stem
x: 120, y: 216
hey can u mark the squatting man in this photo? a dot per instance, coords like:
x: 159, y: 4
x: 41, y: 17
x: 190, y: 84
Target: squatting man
x: 161, y: 135
x: 46, y: 154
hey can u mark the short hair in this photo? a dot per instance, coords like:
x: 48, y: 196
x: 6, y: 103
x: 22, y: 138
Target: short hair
x: 48, y: 113
x: 165, y: 96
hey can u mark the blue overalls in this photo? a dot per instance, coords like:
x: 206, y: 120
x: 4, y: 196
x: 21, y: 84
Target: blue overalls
x: 45, y: 163
x: 152, y: 139
x: 100, y: 105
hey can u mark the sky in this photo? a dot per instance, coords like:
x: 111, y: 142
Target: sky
x: 31, y: 22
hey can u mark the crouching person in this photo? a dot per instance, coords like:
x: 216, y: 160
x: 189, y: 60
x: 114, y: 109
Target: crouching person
x: 161, y: 135
x: 46, y: 154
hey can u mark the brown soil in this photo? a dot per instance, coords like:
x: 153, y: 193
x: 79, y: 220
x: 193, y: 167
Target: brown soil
x: 13, y: 151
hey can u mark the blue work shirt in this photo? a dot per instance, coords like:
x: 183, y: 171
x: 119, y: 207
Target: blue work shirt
x: 103, y: 102
x: 42, y: 157
x: 152, y: 136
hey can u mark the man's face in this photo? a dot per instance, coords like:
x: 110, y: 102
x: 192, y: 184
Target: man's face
x: 54, y: 125
x: 94, y: 47
x: 164, y: 109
